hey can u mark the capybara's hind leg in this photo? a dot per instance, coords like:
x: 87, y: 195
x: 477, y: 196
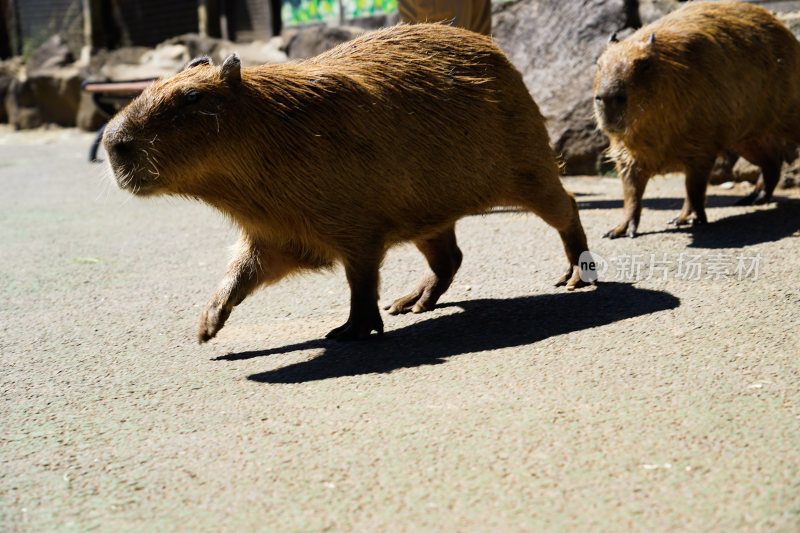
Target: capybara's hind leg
x: 252, y: 265
x: 767, y: 155
x: 765, y: 186
x: 362, y: 275
x: 694, y: 205
x: 558, y: 208
x: 634, y: 182
x: 444, y: 258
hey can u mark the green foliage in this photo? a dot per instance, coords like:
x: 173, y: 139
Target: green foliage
x: 297, y: 12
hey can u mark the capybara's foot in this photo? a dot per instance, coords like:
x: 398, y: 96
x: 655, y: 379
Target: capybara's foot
x: 422, y: 298
x: 683, y: 220
x: 357, y: 328
x: 411, y: 302
x: 687, y: 220
x: 626, y: 229
x: 572, y: 279
x: 211, y: 321
x: 755, y: 198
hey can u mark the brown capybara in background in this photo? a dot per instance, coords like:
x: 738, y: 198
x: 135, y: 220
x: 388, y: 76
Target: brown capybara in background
x: 391, y: 137
x: 707, y: 77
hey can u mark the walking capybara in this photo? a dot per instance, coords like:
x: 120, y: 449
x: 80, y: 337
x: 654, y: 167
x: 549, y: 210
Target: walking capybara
x: 707, y: 77
x: 391, y: 137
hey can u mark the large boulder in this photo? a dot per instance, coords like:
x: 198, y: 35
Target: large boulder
x: 135, y: 63
x: 45, y: 96
x: 53, y: 53
x: 251, y: 53
x: 21, y: 107
x: 555, y: 44
x: 652, y: 10
x: 9, y: 69
x: 776, y: 6
x: 313, y: 40
x: 47, y: 90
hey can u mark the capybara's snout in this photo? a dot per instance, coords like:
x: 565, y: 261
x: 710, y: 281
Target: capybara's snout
x: 610, y: 102
x: 117, y: 142
x: 130, y: 160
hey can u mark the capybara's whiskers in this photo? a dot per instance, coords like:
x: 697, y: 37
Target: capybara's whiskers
x: 151, y: 166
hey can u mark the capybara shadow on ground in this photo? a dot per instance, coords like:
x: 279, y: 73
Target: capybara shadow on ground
x: 483, y: 326
x: 708, y: 77
x: 391, y: 137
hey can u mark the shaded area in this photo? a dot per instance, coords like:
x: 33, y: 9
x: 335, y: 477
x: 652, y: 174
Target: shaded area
x: 757, y: 225
x: 666, y: 204
x: 487, y: 324
x: 747, y: 229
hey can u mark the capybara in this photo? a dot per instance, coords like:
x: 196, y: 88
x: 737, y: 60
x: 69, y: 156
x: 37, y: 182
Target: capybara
x: 391, y: 137
x: 708, y: 77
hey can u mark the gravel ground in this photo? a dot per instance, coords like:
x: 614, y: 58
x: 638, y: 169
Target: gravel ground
x: 667, y: 398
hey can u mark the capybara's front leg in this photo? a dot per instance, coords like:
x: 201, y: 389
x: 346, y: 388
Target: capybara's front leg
x: 633, y: 185
x: 364, y: 314
x: 251, y: 267
x: 686, y: 215
x: 444, y: 257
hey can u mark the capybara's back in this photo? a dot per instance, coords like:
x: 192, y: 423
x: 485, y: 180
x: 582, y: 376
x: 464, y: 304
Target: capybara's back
x: 707, y: 77
x: 434, y: 125
x: 391, y: 137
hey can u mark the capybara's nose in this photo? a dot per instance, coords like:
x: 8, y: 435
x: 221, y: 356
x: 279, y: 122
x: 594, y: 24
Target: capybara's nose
x: 611, y: 106
x: 116, y: 142
x: 117, y: 147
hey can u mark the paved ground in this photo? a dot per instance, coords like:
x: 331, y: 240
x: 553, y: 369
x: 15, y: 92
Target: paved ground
x: 655, y: 402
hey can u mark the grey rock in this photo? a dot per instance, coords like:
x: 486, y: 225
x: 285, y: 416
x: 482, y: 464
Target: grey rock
x: 555, y: 44
x: 314, y: 40
x: 53, y: 53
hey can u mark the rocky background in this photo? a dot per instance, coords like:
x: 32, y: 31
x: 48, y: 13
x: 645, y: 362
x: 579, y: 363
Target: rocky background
x: 554, y: 43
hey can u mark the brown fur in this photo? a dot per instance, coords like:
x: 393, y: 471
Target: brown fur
x: 389, y: 138
x: 707, y: 77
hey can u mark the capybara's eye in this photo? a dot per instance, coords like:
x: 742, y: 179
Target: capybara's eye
x: 193, y: 96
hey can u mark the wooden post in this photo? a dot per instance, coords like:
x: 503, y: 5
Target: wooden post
x: 15, y: 28
x: 94, y: 34
x: 5, y: 30
x: 208, y: 18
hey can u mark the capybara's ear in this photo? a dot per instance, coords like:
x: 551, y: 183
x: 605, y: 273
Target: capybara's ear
x: 613, y: 38
x: 652, y: 40
x: 205, y: 60
x: 231, y: 71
